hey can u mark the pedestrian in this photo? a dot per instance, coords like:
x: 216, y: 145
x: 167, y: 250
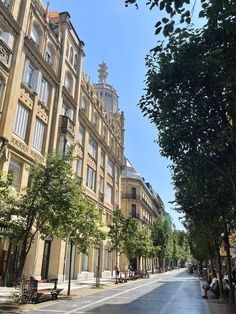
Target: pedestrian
x: 213, y: 286
x: 117, y: 270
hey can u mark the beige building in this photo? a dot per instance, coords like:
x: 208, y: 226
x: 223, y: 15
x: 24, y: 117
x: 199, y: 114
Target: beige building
x: 48, y: 104
x: 139, y: 201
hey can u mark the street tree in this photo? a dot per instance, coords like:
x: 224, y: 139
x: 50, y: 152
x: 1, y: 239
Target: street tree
x: 49, y: 204
x: 115, y: 235
x: 161, y: 235
x: 144, y: 246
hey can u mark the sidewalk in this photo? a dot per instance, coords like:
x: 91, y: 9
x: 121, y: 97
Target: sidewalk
x: 78, y: 289
x: 217, y: 306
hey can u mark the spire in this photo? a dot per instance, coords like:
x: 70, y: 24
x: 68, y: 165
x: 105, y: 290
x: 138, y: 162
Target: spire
x: 102, y: 72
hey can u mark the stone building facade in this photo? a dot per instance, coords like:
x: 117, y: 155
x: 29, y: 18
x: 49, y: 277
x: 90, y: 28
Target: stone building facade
x: 47, y: 104
x: 139, y: 201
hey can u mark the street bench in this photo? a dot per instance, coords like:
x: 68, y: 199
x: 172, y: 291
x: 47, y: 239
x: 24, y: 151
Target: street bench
x: 32, y: 293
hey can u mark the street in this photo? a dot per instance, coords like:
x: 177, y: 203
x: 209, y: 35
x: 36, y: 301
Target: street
x: 174, y: 292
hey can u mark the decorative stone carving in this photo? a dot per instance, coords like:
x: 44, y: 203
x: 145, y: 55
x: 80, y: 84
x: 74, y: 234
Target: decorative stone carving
x: 19, y: 144
x: 26, y: 97
x: 42, y: 113
x: 4, y: 53
x: 79, y: 151
x: 91, y: 162
x: 37, y: 156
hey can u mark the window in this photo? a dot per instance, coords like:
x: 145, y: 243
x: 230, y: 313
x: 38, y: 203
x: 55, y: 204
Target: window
x: 35, y: 35
x: 95, y: 118
x: 79, y: 168
x: 21, y: 121
x: 32, y: 76
x: 71, y: 58
x: 6, y: 37
x: 112, y: 142
x: 109, y: 193
x: 67, y: 49
x: 90, y: 181
x: 102, y: 159
x: 110, y: 167
x: 81, y: 135
x: 92, y: 148
x: 67, y: 111
x: 101, y: 189
x: 29, y: 73
x: 133, y: 193
x: 38, y: 135
x: 83, y: 104
x: 48, y: 56
x: 44, y: 91
x: 75, y: 61
x: 117, y: 197
x: 104, y: 132
x: 6, y: 2
x: 133, y: 211
x: 68, y: 82
x: 14, y: 171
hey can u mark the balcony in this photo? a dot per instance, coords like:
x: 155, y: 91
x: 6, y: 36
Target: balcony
x: 66, y: 125
x: 136, y: 216
x: 131, y: 196
x: 5, y: 53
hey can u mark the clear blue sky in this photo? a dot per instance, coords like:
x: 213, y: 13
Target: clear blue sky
x: 122, y: 37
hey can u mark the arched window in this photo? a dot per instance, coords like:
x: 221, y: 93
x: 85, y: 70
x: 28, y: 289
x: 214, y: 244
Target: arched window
x: 71, y: 59
x: 69, y: 82
x: 36, y: 35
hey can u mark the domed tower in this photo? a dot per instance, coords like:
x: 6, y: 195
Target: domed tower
x: 105, y: 91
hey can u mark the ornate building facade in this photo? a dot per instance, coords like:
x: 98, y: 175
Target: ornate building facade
x: 47, y: 104
x: 139, y: 201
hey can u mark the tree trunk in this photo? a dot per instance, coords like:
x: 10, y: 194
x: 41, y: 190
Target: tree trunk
x: 70, y: 262
x: 220, y: 272
x: 98, y: 275
x: 6, y: 271
x: 231, y: 287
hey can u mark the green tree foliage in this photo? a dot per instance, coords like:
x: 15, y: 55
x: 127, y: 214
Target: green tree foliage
x: 115, y: 233
x: 53, y: 205
x: 130, y: 239
x: 161, y: 234
x: 180, y: 12
x: 190, y: 97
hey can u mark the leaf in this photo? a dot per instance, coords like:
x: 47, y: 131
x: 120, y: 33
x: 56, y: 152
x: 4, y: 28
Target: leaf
x: 165, y: 20
x: 157, y: 24
x: 157, y: 31
x: 168, y: 28
x: 162, y: 5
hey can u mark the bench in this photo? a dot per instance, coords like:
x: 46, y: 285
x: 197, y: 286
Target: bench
x: 32, y: 293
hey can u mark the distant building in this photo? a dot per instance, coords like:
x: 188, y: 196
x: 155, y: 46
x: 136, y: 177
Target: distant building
x: 139, y: 201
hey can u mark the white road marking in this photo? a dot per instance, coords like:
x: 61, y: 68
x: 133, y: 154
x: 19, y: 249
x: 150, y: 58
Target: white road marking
x: 113, y: 296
